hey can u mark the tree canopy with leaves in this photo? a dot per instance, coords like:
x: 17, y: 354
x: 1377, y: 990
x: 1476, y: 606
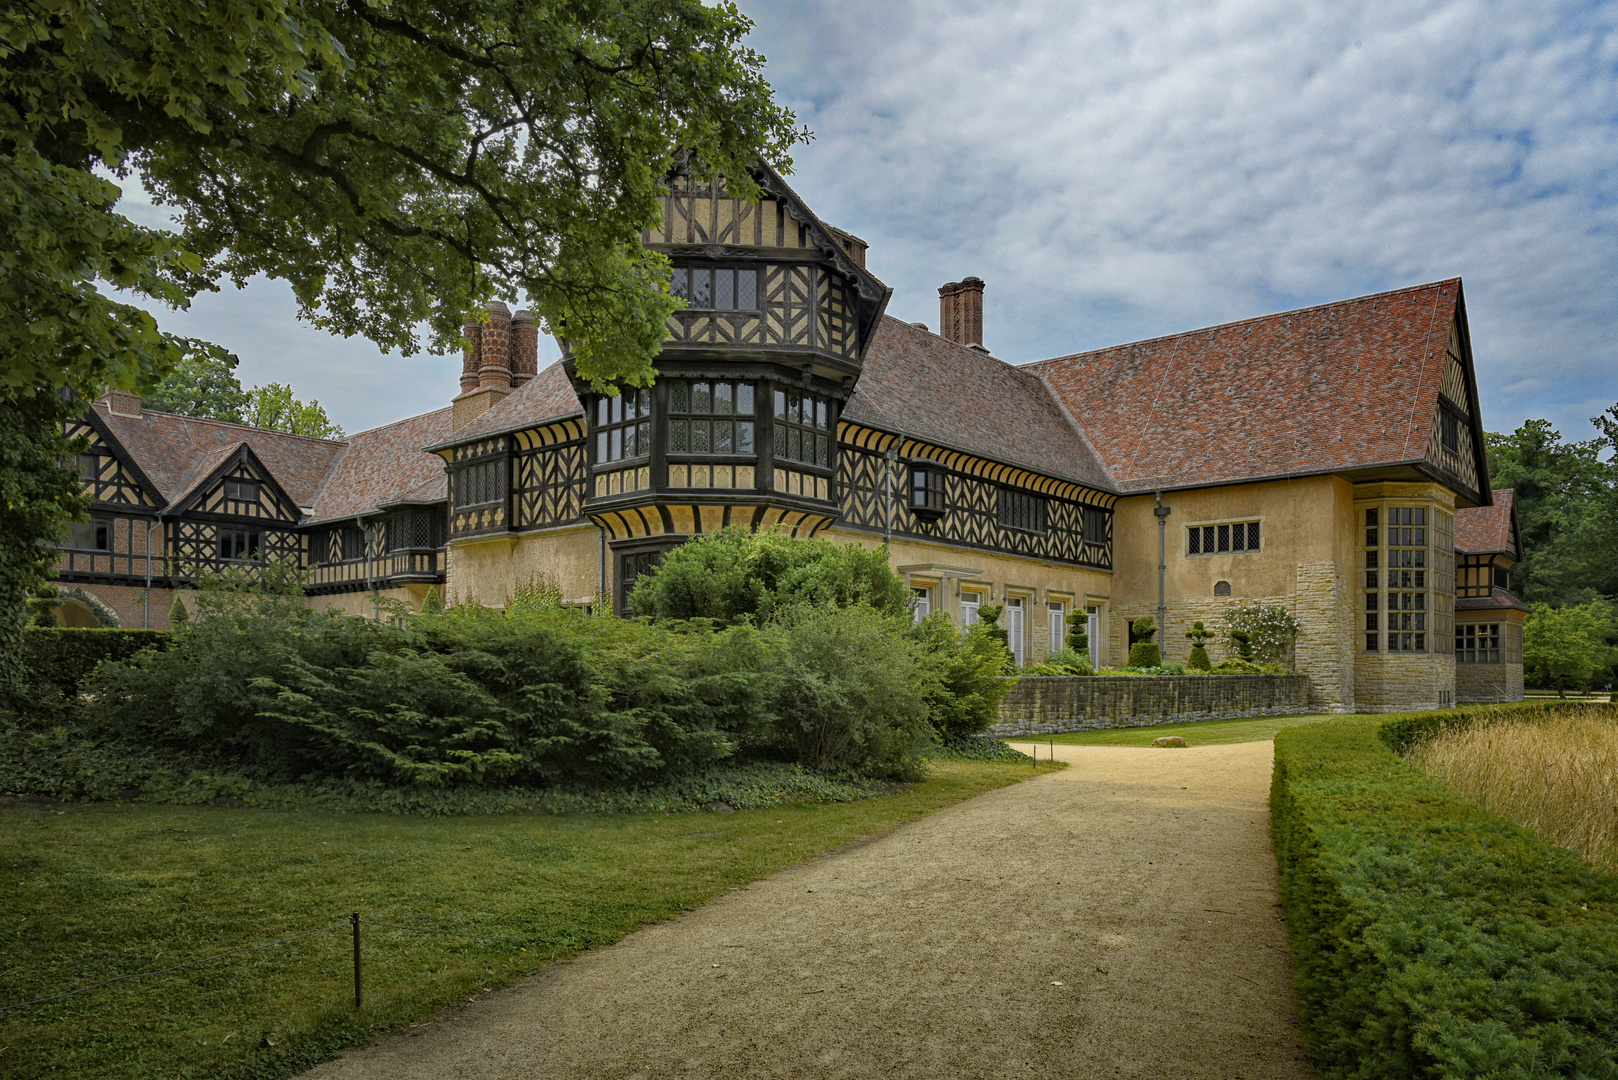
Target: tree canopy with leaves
x: 1567, y: 509
x: 398, y: 164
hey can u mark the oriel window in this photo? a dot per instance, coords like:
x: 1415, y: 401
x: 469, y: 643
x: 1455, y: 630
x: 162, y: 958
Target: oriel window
x: 927, y: 491
x: 802, y: 428
x: 712, y: 417
x: 623, y: 425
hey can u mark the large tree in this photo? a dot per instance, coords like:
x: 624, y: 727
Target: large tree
x: 1567, y: 508
x: 398, y: 163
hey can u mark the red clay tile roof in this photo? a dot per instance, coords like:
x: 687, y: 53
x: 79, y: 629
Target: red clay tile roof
x: 1498, y: 598
x: 172, y: 449
x: 386, y: 465
x: 1341, y: 386
x: 926, y: 386
x: 1487, y: 529
x: 547, y: 396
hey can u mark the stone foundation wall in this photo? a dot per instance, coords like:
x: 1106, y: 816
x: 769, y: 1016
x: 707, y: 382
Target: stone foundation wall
x: 1482, y: 683
x: 1403, y: 682
x: 1049, y: 705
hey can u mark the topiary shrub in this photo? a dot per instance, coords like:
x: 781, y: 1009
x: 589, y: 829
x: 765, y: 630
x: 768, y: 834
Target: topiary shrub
x: 1144, y: 653
x: 1198, y: 635
x: 1241, y: 643
x: 1078, y: 635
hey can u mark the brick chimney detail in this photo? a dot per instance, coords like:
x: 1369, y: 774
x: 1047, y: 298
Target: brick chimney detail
x: 499, y: 349
x: 124, y: 403
x: 469, y: 364
x: 960, y: 311
x: 494, y: 348
x: 524, y: 348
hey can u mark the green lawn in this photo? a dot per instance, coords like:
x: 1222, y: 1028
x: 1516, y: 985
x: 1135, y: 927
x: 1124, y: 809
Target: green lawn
x: 91, y: 892
x: 1205, y: 733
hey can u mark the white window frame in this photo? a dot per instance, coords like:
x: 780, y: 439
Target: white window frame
x: 1014, y: 628
x: 1055, y: 624
x: 1093, y: 628
x: 970, y: 602
x: 923, y: 602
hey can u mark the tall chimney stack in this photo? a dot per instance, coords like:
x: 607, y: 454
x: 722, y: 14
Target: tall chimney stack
x: 502, y: 354
x: 524, y: 348
x: 960, y: 311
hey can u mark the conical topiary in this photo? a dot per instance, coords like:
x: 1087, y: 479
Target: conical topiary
x: 178, y: 615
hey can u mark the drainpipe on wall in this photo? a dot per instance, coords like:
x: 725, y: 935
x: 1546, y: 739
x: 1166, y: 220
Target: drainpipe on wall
x: 146, y: 601
x: 601, y: 580
x: 1162, y: 513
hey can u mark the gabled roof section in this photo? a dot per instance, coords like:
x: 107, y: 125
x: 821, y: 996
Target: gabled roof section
x: 167, y: 448
x: 1490, y: 530
x: 918, y: 384
x: 97, y: 422
x: 547, y: 396
x: 386, y: 465
x: 215, y: 465
x: 1345, y: 386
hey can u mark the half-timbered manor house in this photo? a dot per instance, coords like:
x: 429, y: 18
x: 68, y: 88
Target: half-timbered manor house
x: 1328, y: 459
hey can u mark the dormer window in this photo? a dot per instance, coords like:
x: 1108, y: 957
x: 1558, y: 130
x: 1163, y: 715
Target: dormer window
x: 927, y: 492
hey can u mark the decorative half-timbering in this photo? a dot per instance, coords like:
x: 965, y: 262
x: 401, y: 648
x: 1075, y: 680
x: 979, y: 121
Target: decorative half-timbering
x: 551, y: 470
x: 1455, y: 443
x: 905, y: 487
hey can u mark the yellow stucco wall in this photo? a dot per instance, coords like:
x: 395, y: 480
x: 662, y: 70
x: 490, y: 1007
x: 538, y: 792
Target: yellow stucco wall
x: 490, y: 571
x: 997, y: 577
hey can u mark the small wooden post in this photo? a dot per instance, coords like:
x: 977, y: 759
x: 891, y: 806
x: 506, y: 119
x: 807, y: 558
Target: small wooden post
x: 355, y: 919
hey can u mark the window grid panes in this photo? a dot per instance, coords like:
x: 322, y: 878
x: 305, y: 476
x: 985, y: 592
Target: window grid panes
x: 238, y: 544
x: 1406, y: 599
x: 241, y: 490
x: 709, y: 289
x: 92, y: 535
x: 802, y: 428
x: 707, y: 417
x: 1477, y: 643
x: 1020, y: 510
x: 926, y: 490
x: 623, y: 426
x: 1226, y: 538
x: 478, y: 484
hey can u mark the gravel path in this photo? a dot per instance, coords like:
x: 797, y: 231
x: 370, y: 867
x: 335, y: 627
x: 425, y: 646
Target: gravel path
x: 1117, y: 918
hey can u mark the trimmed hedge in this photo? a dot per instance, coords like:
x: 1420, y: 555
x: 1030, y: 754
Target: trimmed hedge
x: 1433, y: 938
x: 62, y: 657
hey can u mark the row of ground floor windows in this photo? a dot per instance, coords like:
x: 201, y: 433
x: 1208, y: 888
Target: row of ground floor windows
x: 1015, y: 622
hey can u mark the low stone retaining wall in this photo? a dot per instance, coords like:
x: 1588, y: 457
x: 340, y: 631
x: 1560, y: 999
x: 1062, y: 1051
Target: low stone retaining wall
x: 1049, y: 705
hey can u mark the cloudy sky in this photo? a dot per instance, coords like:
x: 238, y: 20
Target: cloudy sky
x: 1120, y: 171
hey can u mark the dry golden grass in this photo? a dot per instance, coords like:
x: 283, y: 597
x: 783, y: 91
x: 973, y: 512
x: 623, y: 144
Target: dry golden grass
x: 1558, y: 777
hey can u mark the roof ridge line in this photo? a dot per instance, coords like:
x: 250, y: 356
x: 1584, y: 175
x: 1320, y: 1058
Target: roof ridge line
x: 1242, y: 322
x: 232, y: 424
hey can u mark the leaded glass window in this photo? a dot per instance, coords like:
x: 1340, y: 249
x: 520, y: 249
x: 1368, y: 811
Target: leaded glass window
x: 711, y: 289
x: 802, y: 428
x: 711, y: 417
x: 1228, y: 538
x: 623, y: 426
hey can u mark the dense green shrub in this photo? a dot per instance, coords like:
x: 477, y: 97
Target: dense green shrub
x: 853, y: 691
x: 738, y: 575
x: 970, y: 686
x: 1062, y: 662
x: 57, y: 661
x: 534, y: 694
x: 1078, y: 634
x: 1434, y: 939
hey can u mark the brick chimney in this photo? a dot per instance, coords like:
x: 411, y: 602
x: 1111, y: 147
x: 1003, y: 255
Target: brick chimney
x: 853, y: 245
x: 124, y: 403
x: 524, y: 348
x: 960, y: 311
x: 492, y: 357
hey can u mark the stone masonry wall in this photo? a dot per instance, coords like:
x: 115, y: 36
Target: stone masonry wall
x: 1049, y: 705
x: 1325, y: 644
x: 1480, y: 683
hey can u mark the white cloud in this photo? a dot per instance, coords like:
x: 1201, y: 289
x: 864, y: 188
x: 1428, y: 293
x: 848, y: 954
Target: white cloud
x: 1116, y: 171
x: 1120, y: 171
